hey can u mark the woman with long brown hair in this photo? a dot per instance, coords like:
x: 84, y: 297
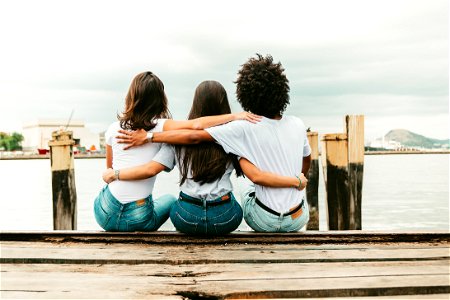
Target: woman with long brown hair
x: 129, y: 205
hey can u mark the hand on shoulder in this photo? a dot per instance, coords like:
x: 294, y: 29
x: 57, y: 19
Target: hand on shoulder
x: 247, y: 116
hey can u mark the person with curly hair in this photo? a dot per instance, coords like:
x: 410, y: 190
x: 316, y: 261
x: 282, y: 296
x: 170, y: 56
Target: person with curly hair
x: 277, y: 144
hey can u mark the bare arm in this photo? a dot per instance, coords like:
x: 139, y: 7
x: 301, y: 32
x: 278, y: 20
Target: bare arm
x: 185, y: 130
x: 269, y: 179
x: 135, y: 173
x: 176, y: 137
x: 182, y: 137
x: 109, y: 156
x: 209, y: 121
x: 306, y: 164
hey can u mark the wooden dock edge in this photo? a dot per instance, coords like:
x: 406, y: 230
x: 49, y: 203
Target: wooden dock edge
x: 241, y: 265
x: 176, y: 238
x: 333, y: 293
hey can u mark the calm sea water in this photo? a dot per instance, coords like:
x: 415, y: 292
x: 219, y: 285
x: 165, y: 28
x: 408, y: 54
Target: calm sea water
x: 400, y: 192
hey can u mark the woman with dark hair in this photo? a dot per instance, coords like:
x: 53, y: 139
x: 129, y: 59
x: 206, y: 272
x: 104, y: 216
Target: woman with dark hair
x: 129, y: 205
x: 206, y: 205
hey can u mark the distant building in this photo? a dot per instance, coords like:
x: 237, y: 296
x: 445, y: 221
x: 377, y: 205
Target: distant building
x: 385, y: 144
x: 37, y: 134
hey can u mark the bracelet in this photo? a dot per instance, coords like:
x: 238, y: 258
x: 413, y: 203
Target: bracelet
x: 300, y: 184
x: 116, y: 174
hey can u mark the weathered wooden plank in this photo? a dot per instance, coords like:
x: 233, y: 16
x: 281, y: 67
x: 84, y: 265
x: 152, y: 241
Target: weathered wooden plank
x: 78, y: 253
x: 166, y: 237
x: 158, y: 265
x: 224, y: 280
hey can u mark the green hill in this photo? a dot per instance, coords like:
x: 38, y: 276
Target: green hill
x: 411, y: 139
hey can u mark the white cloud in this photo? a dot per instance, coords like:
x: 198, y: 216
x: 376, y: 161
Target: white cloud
x: 387, y: 59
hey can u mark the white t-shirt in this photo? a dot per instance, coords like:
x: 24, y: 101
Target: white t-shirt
x: 208, y: 191
x: 276, y: 146
x: 129, y: 191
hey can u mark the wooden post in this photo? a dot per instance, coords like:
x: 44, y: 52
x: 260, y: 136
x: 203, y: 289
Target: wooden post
x: 63, y: 181
x: 334, y: 162
x: 354, y: 127
x: 312, y: 189
x: 342, y: 161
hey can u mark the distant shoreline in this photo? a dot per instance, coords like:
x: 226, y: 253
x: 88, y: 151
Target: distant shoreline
x: 406, y: 152
x: 93, y: 156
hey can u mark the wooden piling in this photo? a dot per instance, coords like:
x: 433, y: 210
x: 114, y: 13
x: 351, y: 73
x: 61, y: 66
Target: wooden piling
x: 343, y: 161
x: 312, y: 189
x: 354, y: 127
x: 63, y: 181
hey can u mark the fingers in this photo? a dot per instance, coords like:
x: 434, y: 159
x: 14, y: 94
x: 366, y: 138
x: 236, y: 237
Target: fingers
x: 107, y: 175
x: 124, y: 132
x: 123, y: 137
x: 304, y: 182
x: 252, y: 118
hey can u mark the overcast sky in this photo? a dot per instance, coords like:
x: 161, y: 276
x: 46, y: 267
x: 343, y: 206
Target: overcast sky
x: 387, y: 59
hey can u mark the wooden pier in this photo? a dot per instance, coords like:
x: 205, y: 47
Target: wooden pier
x: 169, y: 265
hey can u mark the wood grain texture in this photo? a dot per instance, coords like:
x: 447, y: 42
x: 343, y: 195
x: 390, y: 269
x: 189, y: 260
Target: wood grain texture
x: 233, y: 270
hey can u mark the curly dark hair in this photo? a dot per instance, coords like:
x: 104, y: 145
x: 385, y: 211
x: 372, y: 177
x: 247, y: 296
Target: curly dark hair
x: 262, y: 87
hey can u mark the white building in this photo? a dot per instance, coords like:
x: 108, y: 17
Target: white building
x: 37, y: 134
x: 386, y: 144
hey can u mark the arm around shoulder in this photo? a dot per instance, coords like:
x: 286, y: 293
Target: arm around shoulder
x: 182, y: 137
x: 270, y: 179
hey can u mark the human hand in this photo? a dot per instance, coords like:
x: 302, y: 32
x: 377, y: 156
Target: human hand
x: 132, y: 138
x: 303, y: 181
x: 109, y: 176
x: 247, y: 116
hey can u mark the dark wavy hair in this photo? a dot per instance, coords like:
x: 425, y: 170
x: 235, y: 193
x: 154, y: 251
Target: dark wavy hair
x: 145, y: 102
x: 262, y: 88
x: 207, y: 161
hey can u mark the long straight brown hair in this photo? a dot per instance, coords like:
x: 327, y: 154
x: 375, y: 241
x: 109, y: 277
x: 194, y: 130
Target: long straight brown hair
x: 145, y: 102
x: 207, y: 161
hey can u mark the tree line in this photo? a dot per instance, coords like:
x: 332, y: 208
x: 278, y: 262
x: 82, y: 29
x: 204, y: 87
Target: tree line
x: 11, y: 142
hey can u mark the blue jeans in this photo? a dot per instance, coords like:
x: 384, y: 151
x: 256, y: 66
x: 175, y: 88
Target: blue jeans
x: 140, y: 215
x: 204, y: 219
x: 261, y: 220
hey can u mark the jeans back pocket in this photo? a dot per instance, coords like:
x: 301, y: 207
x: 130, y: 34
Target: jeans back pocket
x: 101, y: 216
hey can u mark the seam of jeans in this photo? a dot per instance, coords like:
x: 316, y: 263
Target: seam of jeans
x: 186, y: 221
x: 188, y: 212
x: 224, y: 213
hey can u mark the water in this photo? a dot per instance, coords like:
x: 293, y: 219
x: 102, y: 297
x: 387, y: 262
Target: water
x: 400, y: 192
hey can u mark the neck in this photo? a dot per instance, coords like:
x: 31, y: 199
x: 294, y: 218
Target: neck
x: 277, y: 117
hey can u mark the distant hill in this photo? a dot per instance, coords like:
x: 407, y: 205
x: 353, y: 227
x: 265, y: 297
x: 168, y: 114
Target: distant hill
x: 411, y: 139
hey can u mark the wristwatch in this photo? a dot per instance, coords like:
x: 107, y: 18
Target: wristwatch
x: 149, y: 137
